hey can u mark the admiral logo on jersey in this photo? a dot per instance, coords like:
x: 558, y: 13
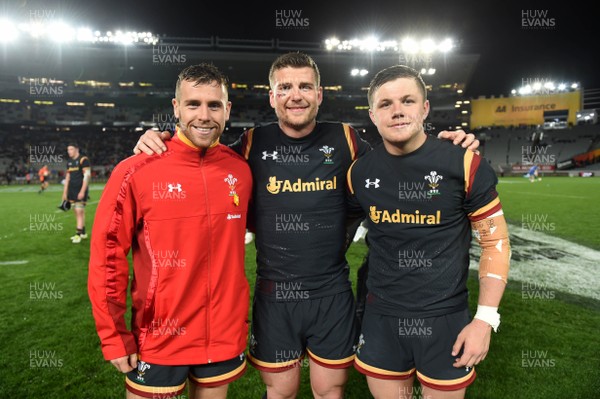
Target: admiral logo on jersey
x: 168, y: 191
x: 397, y: 216
x: 276, y: 186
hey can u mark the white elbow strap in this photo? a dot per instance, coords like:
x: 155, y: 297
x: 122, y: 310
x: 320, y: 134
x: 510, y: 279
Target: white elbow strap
x: 492, y: 235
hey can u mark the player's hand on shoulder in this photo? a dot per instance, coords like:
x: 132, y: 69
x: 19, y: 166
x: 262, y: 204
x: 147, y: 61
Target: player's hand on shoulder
x: 152, y: 142
x: 466, y: 140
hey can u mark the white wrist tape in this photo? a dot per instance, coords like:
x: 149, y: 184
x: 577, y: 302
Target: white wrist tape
x: 489, y: 314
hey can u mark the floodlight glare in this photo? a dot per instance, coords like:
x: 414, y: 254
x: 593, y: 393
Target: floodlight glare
x: 525, y: 90
x: 35, y: 29
x: 427, y: 46
x: 410, y: 46
x: 8, y: 31
x: 331, y: 43
x: 369, y: 44
x: 446, y: 45
x: 61, y: 32
x: 354, y: 72
x: 85, y: 35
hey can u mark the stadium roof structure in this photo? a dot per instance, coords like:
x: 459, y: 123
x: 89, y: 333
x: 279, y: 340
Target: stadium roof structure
x: 244, y: 61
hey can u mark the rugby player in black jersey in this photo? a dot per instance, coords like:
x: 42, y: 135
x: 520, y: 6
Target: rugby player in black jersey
x: 423, y: 197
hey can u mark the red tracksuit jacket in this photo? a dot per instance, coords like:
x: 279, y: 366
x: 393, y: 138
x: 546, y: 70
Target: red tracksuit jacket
x: 183, y: 215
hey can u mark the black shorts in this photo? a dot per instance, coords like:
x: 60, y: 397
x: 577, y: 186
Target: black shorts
x: 155, y: 381
x: 73, y: 192
x: 283, y: 332
x: 395, y: 348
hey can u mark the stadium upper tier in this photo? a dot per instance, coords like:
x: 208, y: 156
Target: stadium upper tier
x: 506, y: 148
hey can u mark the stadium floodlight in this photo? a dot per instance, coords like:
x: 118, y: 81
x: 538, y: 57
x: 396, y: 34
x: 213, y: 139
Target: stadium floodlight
x: 431, y: 71
x: 427, y: 46
x: 61, y: 32
x: 525, y: 90
x: 410, y: 46
x: 358, y: 72
x: 407, y: 45
x: 331, y: 43
x: 85, y: 35
x: 369, y: 44
x: 8, y: 31
x: 543, y: 86
x: 446, y: 45
x: 34, y: 29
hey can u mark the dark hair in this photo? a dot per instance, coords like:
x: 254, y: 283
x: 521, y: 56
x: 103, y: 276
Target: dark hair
x: 71, y: 144
x: 201, y: 74
x: 393, y: 73
x: 294, y: 60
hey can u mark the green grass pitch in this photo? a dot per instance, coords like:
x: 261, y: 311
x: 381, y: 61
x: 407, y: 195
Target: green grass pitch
x: 545, y: 348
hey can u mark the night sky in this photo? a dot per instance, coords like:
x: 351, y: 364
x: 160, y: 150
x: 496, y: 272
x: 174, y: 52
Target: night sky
x: 510, y: 52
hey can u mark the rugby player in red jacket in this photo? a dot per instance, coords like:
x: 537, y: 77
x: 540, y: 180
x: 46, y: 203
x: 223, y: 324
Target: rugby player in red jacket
x: 183, y: 216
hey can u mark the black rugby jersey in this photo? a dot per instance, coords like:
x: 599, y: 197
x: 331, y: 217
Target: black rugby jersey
x: 75, y: 169
x: 299, y: 206
x: 419, y: 207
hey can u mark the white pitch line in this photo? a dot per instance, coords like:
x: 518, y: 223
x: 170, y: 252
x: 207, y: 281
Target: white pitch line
x: 552, y: 262
x: 14, y: 262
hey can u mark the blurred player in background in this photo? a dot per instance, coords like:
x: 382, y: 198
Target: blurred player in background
x: 417, y: 320
x: 77, y: 183
x: 533, y: 173
x: 183, y: 215
x: 43, y: 174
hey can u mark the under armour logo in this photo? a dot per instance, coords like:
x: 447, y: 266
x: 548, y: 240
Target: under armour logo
x: 370, y: 183
x: 175, y: 187
x: 267, y: 155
